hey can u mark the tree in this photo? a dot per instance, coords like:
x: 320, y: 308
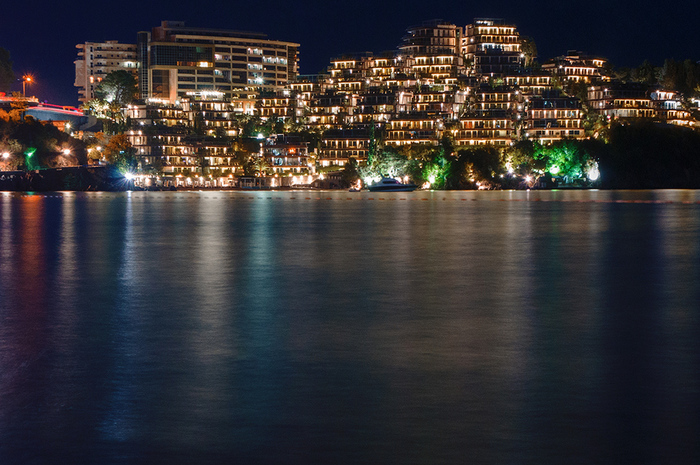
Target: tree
x: 120, y: 153
x: 109, y: 113
x: 256, y: 165
x: 93, y: 144
x: 437, y: 170
x: 520, y: 158
x: 7, y: 76
x: 116, y: 90
x: 474, y: 164
x: 564, y: 158
x: 19, y: 106
x: 273, y: 125
x: 117, y: 87
x: 648, y: 155
x: 621, y: 74
x: 386, y: 162
x: 350, y: 175
x: 373, y: 145
x: 156, y: 167
x: 35, y: 145
x: 691, y: 70
x: 646, y: 73
x: 529, y: 49
x: 251, y: 126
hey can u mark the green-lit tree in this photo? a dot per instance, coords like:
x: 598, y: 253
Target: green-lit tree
x: 563, y: 158
x: 437, y: 171
x: 520, y: 158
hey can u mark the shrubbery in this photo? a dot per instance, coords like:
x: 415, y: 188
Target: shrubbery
x: 640, y: 155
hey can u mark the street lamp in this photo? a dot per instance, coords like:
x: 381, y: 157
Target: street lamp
x: 25, y: 79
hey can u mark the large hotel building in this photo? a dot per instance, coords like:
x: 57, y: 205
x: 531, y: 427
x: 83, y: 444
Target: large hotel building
x: 177, y: 61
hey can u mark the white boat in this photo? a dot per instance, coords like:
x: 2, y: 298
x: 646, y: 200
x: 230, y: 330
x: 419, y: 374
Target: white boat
x: 391, y: 185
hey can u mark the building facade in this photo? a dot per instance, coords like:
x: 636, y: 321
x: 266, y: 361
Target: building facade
x: 201, y: 87
x: 178, y: 61
x: 492, y: 47
x: 578, y: 67
x: 96, y: 60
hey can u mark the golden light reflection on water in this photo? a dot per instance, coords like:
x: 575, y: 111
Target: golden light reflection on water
x: 438, y: 328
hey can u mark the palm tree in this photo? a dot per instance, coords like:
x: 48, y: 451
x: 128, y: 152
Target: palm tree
x: 261, y: 165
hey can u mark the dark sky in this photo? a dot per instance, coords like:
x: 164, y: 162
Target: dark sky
x: 41, y: 35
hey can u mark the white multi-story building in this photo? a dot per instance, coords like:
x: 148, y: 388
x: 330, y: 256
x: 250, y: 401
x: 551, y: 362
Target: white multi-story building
x: 96, y: 60
x: 178, y: 61
x: 492, y: 47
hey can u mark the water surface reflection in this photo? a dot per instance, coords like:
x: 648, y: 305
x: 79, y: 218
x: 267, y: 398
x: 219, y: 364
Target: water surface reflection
x: 306, y: 327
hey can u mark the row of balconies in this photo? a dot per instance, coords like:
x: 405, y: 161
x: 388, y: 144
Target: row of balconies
x: 553, y: 123
x: 410, y: 135
x: 360, y: 154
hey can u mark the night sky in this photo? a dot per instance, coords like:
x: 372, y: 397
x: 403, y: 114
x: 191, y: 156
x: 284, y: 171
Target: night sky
x: 41, y: 35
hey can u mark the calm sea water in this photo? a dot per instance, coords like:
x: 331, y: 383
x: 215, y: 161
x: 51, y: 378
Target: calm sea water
x: 347, y: 328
